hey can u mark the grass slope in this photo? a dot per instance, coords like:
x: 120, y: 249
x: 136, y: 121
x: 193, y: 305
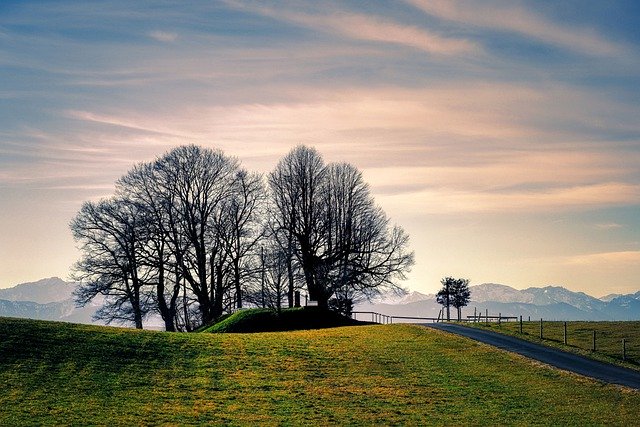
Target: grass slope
x: 609, y: 337
x: 56, y: 373
x: 291, y: 319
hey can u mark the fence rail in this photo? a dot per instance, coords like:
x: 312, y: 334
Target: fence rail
x: 386, y: 319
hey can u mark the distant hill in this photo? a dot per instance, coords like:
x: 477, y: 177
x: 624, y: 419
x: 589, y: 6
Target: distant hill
x: 51, y: 299
x: 550, y: 302
x: 44, y: 291
x: 46, y: 299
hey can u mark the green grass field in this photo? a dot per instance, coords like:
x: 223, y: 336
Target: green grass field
x: 56, y: 373
x: 609, y: 337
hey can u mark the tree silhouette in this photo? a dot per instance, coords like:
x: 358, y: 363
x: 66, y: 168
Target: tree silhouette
x: 192, y: 234
x: 343, y: 241
x: 454, y: 292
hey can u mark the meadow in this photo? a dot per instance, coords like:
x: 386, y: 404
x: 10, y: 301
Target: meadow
x: 609, y: 336
x: 60, y: 373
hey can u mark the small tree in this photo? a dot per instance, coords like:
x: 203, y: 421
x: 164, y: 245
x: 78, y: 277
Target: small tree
x: 443, y: 297
x: 454, y: 292
x: 460, y: 295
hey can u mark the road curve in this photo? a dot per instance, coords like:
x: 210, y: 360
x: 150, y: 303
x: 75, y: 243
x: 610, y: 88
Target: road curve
x: 551, y: 356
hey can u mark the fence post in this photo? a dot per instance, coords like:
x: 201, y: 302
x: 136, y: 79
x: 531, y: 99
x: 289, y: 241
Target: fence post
x: 624, y: 349
x: 565, y: 333
x: 486, y: 315
x: 521, y: 323
x: 475, y: 314
x: 499, y: 318
x: 540, y: 328
x: 594, y: 340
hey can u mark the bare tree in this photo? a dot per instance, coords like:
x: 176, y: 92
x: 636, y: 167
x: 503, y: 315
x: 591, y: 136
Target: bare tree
x: 110, y: 234
x: 365, y: 256
x: 198, y: 181
x: 240, y: 226
x: 296, y: 186
x: 183, y: 233
x: 159, y: 251
x: 343, y: 241
x: 269, y: 284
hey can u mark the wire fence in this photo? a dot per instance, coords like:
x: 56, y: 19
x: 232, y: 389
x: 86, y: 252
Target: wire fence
x: 618, y: 340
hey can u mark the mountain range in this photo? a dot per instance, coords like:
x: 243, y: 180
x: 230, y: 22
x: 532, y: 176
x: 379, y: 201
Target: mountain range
x: 52, y: 299
x: 550, y: 302
x: 46, y: 299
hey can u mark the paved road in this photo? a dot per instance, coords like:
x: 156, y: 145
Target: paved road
x: 551, y: 356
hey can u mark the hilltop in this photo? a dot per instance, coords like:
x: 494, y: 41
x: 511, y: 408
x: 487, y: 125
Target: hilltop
x: 62, y: 373
x: 290, y: 319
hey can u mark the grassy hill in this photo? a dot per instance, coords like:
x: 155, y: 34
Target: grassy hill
x: 57, y: 373
x: 290, y: 319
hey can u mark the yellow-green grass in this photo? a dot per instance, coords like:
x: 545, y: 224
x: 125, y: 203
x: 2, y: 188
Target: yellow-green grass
x: 609, y: 336
x: 56, y: 373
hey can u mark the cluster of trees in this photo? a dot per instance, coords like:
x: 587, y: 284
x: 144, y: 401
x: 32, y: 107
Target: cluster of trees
x: 193, y: 235
x: 454, y: 292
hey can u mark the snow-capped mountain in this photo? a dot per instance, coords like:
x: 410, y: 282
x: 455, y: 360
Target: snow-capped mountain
x: 46, y: 299
x: 413, y: 296
x: 52, y: 299
x: 499, y: 293
x: 44, y: 291
x: 550, y: 302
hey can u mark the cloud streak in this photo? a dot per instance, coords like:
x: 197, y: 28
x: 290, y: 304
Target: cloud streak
x: 509, y: 16
x: 606, y: 259
x: 163, y: 36
x: 368, y: 28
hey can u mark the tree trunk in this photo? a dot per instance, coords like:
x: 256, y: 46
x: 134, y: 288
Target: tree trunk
x: 290, y: 289
x: 236, y: 281
x: 165, y: 312
x: 137, y: 315
x: 448, y: 303
x: 187, y: 321
x: 317, y: 293
x: 218, y: 298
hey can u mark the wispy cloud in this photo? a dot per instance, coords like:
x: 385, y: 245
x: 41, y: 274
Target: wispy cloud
x: 368, y: 28
x: 609, y: 226
x: 611, y: 259
x: 469, y: 148
x: 117, y: 121
x: 163, y: 36
x: 445, y: 200
x: 509, y: 16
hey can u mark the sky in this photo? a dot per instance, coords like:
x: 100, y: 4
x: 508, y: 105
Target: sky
x: 503, y: 136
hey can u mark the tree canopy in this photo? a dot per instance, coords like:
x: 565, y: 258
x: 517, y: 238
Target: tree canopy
x: 454, y: 292
x: 193, y: 235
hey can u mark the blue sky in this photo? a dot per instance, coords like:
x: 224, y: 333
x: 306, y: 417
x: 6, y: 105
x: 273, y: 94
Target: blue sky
x: 502, y: 135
